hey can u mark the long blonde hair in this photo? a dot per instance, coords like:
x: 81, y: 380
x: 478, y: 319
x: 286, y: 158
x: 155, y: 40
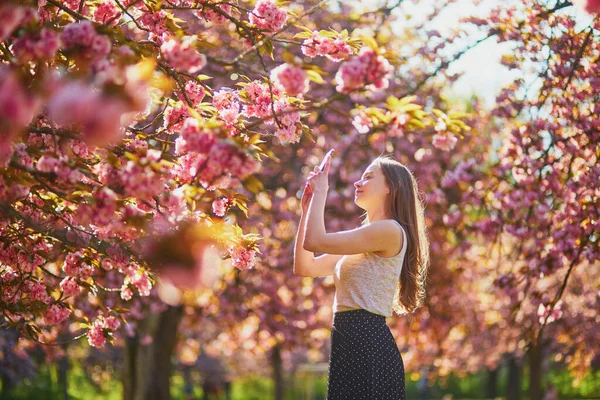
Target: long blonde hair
x: 405, y: 204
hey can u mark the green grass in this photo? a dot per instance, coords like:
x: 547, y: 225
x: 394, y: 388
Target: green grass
x: 45, y: 386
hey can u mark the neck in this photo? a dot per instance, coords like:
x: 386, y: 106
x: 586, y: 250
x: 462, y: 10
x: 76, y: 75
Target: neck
x: 376, y: 215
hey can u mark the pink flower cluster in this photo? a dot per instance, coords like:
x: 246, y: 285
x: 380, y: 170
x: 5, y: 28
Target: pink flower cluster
x: 76, y: 267
x: 78, y: 105
x: 139, y: 279
x: 291, y: 79
x: 174, y: 117
x: 70, y: 287
x: 213, y: 16
x: 139, y: 179
x: 55, y: 314
x: 60, y: 167
x: 13, y: 191
x: 266, y: 15
x: 96, y: 333
x: 11, y: 16
x: 552, y: 314
x: 101, y: 210
x: 37, y: 292
x: 194, y: 138
x: 156, y: 23
x: 287, y: 127
x: 259, y: 95
x: 195, y: 93
x: 107, y: 11
x: 591, y: 6
x: 220, y: 206
x: 260, y: 106
x: 17, y: 109
x: 83, y: 37
x: 227, y: 105
x: 96, y: 336
x: 181, y: 55
x: 212, y: 161
x: 29, y: 262
x: 444, y: 141
x: 242, y: 258
x: 335, y: 49
x: 368, y: 70
x: 361, y: 121
x: 42, y: 46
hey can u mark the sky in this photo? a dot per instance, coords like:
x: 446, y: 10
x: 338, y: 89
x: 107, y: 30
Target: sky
x: 483, y: 76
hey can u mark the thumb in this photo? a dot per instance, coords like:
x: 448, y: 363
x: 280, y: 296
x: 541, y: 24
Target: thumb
x: 328, y: 164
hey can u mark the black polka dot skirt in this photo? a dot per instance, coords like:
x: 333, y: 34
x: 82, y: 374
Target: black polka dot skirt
x: 364, y: 363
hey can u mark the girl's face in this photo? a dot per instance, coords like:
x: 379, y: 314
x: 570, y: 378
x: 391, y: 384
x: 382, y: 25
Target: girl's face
x: 371, y: 189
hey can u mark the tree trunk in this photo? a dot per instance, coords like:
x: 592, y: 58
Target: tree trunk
x: 148, y: 367
x: 513, y: 388
x: 63, y: 370
x: 535, y: 371
x: 492, y: 384
x: 277, y: 364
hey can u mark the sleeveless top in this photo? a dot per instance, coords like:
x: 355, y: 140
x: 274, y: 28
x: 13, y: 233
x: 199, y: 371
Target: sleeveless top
x: 368, y: 281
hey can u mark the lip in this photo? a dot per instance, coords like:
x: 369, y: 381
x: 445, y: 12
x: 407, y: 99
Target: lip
x: 357, y: 192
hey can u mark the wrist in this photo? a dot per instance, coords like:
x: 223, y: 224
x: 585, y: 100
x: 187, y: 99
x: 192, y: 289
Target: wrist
x: 320, y: 192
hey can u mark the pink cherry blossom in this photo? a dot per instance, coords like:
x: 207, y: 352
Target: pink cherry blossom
x: 195, y: 138
x: 336, y: 49
x: 368, y: 69
x: 260, y: 100
x: 291, y: 79
x: 83, y: 37
x: 213, y: 16
x: 591, y: 6
x: 10, y: 17
x: 126, y: 293
x: 142, y: 282
x: 56, y: 314
x: 96, y: 336
x: 70, y: 287
x: 112, y: 323
x: 156, y: 23
x: 181, y: 54
x: 444, y: 141
x: 107, y: 11
x: 361, y: 122
x: 242, y: 258
x: 17, y: 107
x: 42, y: 46
x: 227, y: 104
x: 195, y: 92
x: 219, y: 206
x: 288, y: 125
x: 266, y: 15
x: 37, y: 292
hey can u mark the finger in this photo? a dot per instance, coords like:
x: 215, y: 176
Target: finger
x: 316, y: 169
x: 327, y: 164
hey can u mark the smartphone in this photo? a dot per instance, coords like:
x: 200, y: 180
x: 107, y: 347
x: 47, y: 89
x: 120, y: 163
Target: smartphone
x: 322, y: 166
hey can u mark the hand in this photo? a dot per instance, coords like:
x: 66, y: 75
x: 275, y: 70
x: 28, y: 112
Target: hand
x: 318, y: 180
x: 306, y: 197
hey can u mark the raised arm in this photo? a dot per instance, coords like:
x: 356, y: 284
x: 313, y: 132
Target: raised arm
x: 305, y: 262
x: 378, y: 236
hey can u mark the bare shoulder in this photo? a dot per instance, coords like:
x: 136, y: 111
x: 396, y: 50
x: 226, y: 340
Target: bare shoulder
x: 392, y: 233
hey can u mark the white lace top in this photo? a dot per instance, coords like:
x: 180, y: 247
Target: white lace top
x: 368, y: 281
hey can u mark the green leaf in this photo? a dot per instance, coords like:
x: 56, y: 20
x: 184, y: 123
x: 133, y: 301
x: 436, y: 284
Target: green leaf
x: 303, y: 35
x: 315, y: 76
x: 369, y: 41
x: 253, y: 184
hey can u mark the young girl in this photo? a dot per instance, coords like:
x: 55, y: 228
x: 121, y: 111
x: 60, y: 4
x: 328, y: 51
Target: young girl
x: 378, y: 268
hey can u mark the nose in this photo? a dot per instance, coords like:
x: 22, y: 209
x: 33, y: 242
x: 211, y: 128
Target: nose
x: 356, y: 184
